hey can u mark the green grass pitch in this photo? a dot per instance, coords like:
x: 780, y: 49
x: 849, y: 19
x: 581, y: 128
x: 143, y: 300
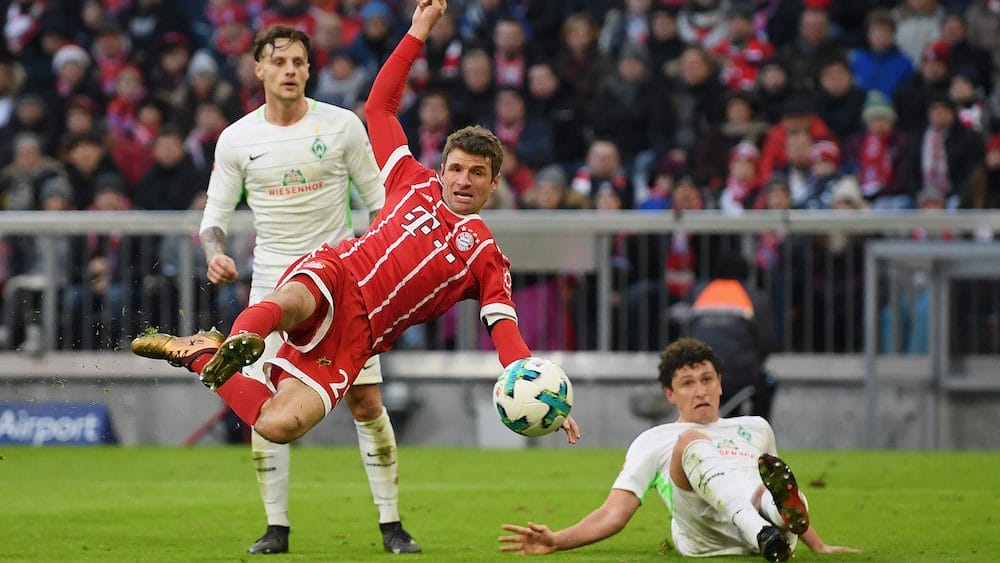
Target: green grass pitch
x: 201, y: 504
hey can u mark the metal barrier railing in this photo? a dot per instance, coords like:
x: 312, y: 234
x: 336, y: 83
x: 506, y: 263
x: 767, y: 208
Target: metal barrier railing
x: 584, y: 280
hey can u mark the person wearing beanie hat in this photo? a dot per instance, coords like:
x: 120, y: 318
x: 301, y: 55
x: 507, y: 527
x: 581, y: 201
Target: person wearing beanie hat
x: 877, y: 106
x: 847, y: 194
x: 823, y: 173
x: 879, y: 153
x: 70, y: 53
x: 743, y: 181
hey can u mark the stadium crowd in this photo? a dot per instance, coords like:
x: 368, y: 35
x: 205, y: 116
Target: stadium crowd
x: 632, y: 104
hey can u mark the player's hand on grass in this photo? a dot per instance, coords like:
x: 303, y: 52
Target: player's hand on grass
x: 221, y: 269
x: 535, y: 539
x: 836, y: 549
x: 572, y: 430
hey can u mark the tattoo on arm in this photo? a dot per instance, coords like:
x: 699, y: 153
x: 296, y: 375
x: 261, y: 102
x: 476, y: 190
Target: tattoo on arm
x: 213, y: 241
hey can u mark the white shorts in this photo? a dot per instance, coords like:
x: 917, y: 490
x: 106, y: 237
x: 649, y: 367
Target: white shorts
x: 699, y: 530
x: 371, y: 374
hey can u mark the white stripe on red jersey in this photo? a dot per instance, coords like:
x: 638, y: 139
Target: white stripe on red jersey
x: 419, y: 258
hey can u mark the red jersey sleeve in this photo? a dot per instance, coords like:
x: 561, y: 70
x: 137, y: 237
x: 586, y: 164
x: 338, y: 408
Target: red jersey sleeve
x: 383, y: 102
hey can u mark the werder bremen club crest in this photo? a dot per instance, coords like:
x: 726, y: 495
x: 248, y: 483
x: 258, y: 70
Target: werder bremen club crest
x: 319, y: 148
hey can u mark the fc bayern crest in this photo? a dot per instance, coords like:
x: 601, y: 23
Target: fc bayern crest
x: 465, y: 241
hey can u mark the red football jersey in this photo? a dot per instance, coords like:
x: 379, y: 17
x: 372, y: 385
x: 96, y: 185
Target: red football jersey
x: 419, y: 258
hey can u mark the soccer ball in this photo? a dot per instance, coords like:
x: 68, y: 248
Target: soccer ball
x: 533, y: 396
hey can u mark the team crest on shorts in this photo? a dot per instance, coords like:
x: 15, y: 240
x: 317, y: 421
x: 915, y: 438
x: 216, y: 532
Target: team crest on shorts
x: 465, y: 240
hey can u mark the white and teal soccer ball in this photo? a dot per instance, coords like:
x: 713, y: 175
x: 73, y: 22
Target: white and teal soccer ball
x: 533, y: 397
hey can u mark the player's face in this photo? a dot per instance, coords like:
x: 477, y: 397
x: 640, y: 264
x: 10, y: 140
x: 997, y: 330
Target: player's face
x: 696, y: 390
x: 468, y: 182
x: 284, y: 69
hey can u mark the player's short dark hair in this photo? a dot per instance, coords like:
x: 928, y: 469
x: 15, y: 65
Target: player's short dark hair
x: 275, y: 32
x: 476, y: 140
x: 681, y: 353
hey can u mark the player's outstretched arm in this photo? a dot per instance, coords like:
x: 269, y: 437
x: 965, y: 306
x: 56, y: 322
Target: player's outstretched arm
x: 815, y: 543
x: 606, y: 521
x: 384, y: 129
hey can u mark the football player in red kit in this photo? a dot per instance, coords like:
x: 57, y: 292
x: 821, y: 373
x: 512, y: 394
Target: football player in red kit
x: 426, y: 250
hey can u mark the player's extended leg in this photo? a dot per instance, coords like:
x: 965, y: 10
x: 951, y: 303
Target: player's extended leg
x: 696, y: 465
x: 377, y: 443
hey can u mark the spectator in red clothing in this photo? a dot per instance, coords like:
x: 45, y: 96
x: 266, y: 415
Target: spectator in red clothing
x: 110, y: 49
x: 878, y: 155
x: 797, y: 114
x: 130, y: 89
x: 133, y: 152
x: 528, y: 136
x: 741, y: 51
x: 443, y: 53
x: 743, y: 183
x: 741, y: 123
x: 518, y: 176
x: 434, y: 124
x: 232, y: 37
x: 510, y: 54
x: 990, y: 196
x: 200, y: 143
x: 249, y: 93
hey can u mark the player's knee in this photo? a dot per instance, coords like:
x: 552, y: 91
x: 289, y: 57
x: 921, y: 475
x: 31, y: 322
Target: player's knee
x: 280, y: 429
x: 686, y: 437
x: 364, y: 402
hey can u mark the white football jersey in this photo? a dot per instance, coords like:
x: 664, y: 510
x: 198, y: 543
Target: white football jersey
x: 741, y: 440
x: 297, y: 180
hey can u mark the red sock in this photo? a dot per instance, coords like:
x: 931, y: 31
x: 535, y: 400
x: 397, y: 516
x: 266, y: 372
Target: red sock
x: 245, y: 395
x: 198, y: 363
x: 261, y: 318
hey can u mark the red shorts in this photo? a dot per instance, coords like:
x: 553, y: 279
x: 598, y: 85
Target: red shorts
x: 329, y: 356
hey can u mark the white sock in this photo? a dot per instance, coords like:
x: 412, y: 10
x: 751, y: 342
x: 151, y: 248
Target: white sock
x: 728, y: 492
x: 272, y: 462
x: 377, y: 443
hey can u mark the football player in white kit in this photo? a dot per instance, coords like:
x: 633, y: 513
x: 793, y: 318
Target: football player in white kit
x: 296, y: 158
x: 727, y: 491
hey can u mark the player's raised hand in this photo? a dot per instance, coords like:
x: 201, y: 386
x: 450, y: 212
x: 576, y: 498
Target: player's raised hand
x: 425, y: 15
x: 221, y: 269
x: 572, y: 430
x: 535, y: 539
